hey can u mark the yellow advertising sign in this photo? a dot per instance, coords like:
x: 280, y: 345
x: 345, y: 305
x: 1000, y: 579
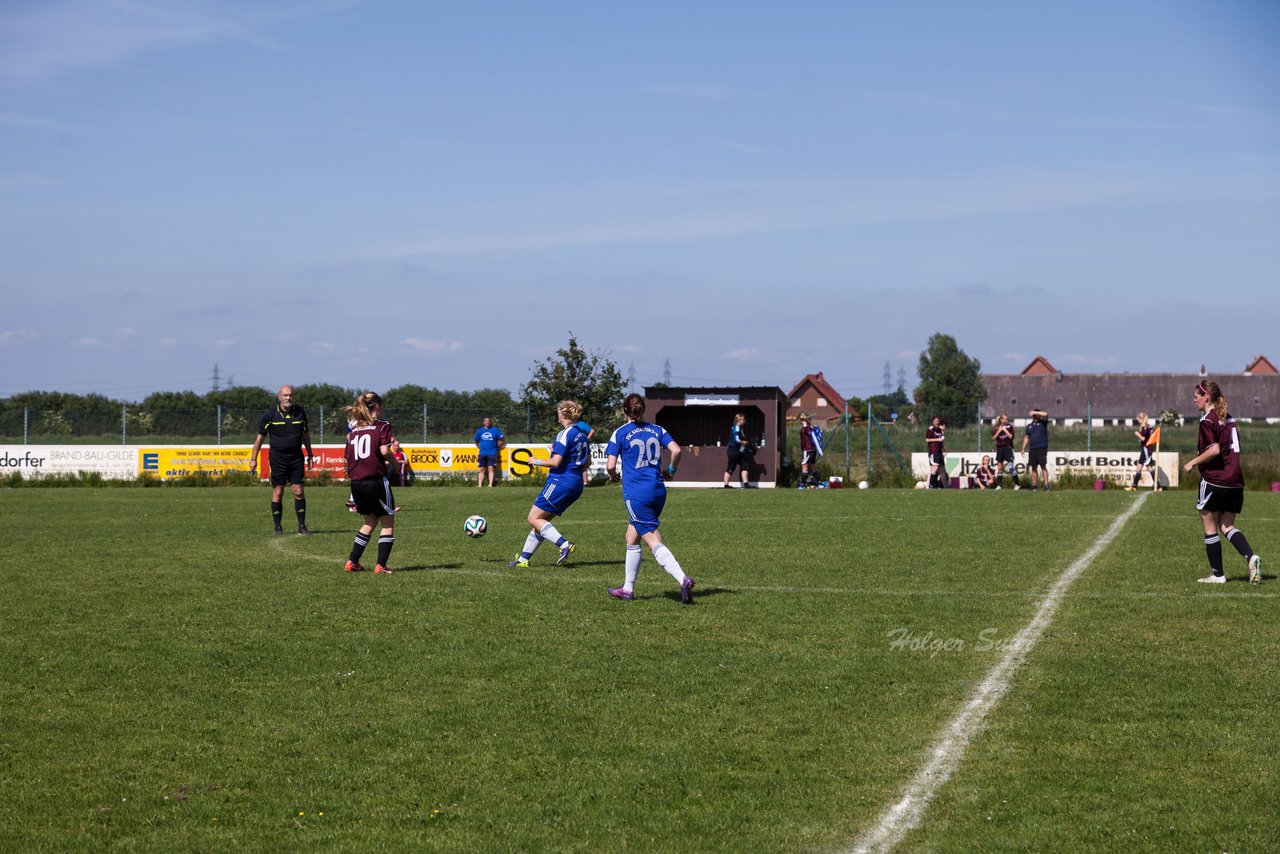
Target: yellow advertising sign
x: 518, y: 457
x: 446, y: 459
x: 180, y: 462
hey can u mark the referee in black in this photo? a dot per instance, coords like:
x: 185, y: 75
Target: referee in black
x: 286, y: 424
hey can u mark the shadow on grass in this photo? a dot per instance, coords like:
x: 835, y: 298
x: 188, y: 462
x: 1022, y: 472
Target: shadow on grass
x: 425, y: 568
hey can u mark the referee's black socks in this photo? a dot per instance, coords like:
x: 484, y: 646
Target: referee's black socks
x: 277, y: 512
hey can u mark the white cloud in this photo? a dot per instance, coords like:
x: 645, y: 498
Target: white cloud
x: 1096, y: 361
x: 87, y: 342
x: 435, y: 348
x: 744, y: 354
x: 125, y: 332
x: 45, y: 39
x: 16, y: 335
x: 224, y: 343
x: 322, y: 347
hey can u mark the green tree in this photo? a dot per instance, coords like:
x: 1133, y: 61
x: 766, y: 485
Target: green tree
x: 312, y: 396
x: 592, y: 379
x: 950, y: 384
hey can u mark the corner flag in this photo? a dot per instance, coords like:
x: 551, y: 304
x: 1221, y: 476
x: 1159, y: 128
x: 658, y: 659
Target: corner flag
x: 1154, y: 438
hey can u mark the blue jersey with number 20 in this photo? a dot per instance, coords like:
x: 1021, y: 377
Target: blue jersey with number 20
x: 638, y: 447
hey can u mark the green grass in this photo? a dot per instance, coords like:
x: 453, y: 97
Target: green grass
x: 176, y: 678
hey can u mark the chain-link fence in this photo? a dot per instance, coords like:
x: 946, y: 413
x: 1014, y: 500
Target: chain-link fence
x: 229, y: 426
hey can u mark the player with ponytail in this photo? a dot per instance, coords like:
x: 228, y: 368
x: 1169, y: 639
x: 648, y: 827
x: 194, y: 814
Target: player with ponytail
x: 1221, y: 496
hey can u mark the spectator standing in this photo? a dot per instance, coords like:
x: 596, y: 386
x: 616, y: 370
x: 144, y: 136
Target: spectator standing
x: 808, y: 453
x: 1003, y: 437
x: 739, y: 451
x: 935, y: 441
x: 489, y: 443
x: 1221, y: 496
x: 1035, y: 444
x: 369, y: 452
x: 1146, y: 454
x: 286, y: 424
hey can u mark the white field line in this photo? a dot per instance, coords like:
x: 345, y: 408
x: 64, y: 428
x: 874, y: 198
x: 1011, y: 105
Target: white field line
x: 949, y: 747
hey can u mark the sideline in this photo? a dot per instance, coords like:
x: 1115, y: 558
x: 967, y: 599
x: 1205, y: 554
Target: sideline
x: 949, y: 747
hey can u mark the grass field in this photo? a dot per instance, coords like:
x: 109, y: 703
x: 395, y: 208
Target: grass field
x: 178, y: 679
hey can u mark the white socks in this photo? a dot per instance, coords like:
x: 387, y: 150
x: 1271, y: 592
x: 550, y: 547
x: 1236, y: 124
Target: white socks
x: 633, y: 568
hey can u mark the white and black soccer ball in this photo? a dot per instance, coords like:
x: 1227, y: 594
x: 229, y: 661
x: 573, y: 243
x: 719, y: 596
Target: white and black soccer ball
x: 475, y: 526
x: 862, y: 484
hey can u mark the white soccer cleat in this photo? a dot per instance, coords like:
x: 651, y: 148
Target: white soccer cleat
x: 1255, y: 570
x: 1213, y: 579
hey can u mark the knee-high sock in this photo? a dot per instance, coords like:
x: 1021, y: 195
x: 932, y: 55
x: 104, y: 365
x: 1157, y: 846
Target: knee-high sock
x: 300, y: 509
x: 1213, y: 549
x: 277, y: 512
x: 551, y: 535
x: 633, y: 567
x: 385, y: 542
x: 1236, y: 537
x: 362, y: 540
x: 668, y: 561
x: 531, y: 544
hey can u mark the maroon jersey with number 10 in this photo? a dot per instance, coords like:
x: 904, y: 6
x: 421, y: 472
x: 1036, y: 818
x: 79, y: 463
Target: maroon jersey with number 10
x: 364, y: 451
x: 1224, y: 469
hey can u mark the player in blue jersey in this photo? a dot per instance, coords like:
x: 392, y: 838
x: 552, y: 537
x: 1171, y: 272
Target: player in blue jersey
x: 634, y: 455
x: 570, y: 457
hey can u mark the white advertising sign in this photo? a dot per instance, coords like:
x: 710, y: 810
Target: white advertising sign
x: 1115, y: 466
x: 32, y: 461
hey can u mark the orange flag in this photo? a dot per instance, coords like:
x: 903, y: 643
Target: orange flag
x: 1155, y: 436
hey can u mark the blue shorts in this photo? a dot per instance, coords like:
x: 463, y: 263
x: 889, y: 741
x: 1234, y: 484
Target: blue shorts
x: 486, y: 461
x: 643, y: 512
x: 559, y: 494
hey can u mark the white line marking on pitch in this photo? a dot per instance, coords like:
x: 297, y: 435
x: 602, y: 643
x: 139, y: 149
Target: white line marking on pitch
x: 949, y: 748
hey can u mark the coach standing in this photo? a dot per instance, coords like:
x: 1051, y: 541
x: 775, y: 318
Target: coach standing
x: 286, y: 424
x: 1035, y: 444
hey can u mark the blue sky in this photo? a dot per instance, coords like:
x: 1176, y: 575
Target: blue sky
x: 379, y: 193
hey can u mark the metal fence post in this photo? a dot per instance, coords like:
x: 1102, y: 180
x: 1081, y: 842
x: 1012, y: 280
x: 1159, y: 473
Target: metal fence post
x: 321, y: 424
x: 26, y: 415
x: 124, y: 424
x: 868, y: 472
x: 848, y: 459
x: 1088, y: 442
x: 218, y: 415
x: 528, y: 422
x: 979, y: 426
x: 424, y: 424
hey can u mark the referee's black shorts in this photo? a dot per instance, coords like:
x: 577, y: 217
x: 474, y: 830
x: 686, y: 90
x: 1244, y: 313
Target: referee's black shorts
x: 287, y: 468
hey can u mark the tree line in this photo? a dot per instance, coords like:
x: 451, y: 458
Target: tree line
x: 949, y: 380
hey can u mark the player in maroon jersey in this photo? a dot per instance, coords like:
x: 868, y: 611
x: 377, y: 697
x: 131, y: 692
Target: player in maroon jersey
x: 1221, y: 495
x: 936, y: 444
x: 984, y: 476
x: 368, y: 452
x: 1003, y: 437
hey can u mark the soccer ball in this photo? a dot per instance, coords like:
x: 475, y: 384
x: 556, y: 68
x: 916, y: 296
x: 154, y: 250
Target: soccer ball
x: 475, y: 526
x: 862, y: 484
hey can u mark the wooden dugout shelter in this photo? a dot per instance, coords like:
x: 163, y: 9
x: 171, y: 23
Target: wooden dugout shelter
x: 700, y: 418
